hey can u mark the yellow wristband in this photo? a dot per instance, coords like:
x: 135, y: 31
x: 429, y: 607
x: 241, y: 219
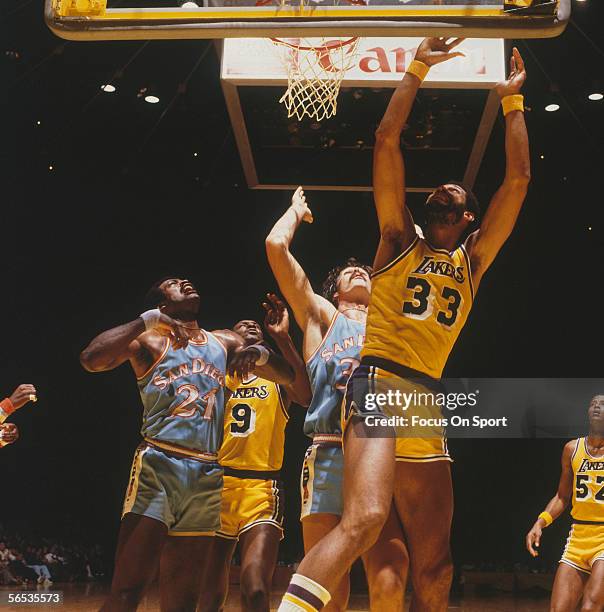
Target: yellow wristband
x: 547, y: 517
x: 512, y: 103
x: 418, y: 69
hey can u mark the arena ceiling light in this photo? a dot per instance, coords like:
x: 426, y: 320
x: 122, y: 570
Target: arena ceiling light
x: 151, y: 99
x: 595, y: 96
x: 551, y: 108
x: 108, y: 88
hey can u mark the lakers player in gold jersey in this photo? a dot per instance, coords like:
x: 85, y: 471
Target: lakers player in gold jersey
x: 255, y: 417
x: 422, y: 291
x: 581, y: 569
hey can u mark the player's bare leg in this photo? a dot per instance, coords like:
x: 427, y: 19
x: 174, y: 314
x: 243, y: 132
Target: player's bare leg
x: 367, y: 491
x: 259, y: 551
x: 423, y: 495
x: 568, y: 588
x: 314, y: 528
x: 136, y: 561
x: 593, y: 596
x: 181, y: 569
x: 215, y: 582
x: 386, y: 566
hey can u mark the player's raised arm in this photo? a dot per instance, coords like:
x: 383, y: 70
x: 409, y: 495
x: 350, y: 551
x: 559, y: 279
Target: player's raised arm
x: 557, y: 504
x: 254, y: 359
x: 500, y: 218
x: 277, y: 324
x: 396, y: 225
x: 125, y: 342
x: 291, y: 278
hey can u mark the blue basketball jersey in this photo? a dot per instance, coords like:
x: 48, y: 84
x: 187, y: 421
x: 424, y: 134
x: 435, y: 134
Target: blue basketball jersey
x: 328, y: 369
x: 183, y: 396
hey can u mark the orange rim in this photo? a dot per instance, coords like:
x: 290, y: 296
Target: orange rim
x: 329, y: 46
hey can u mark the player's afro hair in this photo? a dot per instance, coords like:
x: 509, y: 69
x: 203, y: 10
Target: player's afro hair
x: 155, y: 296
x: 330, y: 285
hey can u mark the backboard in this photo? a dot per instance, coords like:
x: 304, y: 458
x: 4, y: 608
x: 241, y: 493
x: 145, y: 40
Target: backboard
x: 447, y: 135
x: 128, y: 20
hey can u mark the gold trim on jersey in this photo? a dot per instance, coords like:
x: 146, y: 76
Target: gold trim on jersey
x: 282, y: 402
x: 182, y: 451
x: 325, y: 438
x: 159, y: 360
x: 398, y: 257
x: 467, y: 258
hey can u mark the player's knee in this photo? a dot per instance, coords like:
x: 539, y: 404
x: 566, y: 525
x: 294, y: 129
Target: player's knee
x: 387, y: 585
x: 589, y: 604
x: 364, y: 527
x: 438, y: 574
x: 255, y: 591
x: 255, y: 598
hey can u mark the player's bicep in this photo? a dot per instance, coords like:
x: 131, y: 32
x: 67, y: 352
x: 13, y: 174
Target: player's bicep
x: 293, y: 283
x: 565, y: 486
x: 497, y: 225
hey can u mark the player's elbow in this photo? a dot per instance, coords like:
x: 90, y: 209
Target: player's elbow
x: 276, y: 243
x: 521, y: 178
x: 90, y: 361
x: 387, y: 136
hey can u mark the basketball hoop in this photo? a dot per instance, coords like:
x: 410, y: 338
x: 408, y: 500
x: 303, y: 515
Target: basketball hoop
x: 315, y: 69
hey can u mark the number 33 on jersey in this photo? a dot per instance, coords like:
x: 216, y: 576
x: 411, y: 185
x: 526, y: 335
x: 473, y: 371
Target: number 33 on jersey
x: 419, y: 304
x: 254, y: 425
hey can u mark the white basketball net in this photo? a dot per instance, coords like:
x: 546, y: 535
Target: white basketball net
x: 315, y: 69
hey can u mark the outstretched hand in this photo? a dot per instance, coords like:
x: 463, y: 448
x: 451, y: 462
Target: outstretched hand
x: 300, y: 206
x: 513, y: 84
x: 434, y: 51
x: 276, y: 320
x: 243, y: 362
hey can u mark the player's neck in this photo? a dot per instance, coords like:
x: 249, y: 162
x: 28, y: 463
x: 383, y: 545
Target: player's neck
x: 354, y: 311
x: 188, y: 319
x: 595, y: 440
x: 441, y: 237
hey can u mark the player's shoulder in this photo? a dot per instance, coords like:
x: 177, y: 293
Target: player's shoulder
x: 324, y: 308
x: 569, y: 448
x: 228, y: 338
x: 150, y: 339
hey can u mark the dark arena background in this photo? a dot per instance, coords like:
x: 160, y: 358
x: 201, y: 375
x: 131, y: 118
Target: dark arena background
x: 102, y: 194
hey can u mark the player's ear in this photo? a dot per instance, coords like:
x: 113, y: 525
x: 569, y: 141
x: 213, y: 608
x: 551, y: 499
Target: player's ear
x: 335, y: 298
x: 469, y: 216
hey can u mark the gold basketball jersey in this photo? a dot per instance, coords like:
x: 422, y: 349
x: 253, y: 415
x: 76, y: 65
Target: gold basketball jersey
x: 588, y: 484
x: 254, y: 426
x: 419, y: 303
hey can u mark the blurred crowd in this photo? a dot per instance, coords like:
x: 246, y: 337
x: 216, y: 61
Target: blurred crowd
x: 28, y: 560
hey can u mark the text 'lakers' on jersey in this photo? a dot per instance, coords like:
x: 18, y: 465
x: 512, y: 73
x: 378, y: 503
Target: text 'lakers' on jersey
x: 254, y: 426
x: 183, y: 396
x: 329, y: 369
x: 588, y: 485
x: 419, y: 304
